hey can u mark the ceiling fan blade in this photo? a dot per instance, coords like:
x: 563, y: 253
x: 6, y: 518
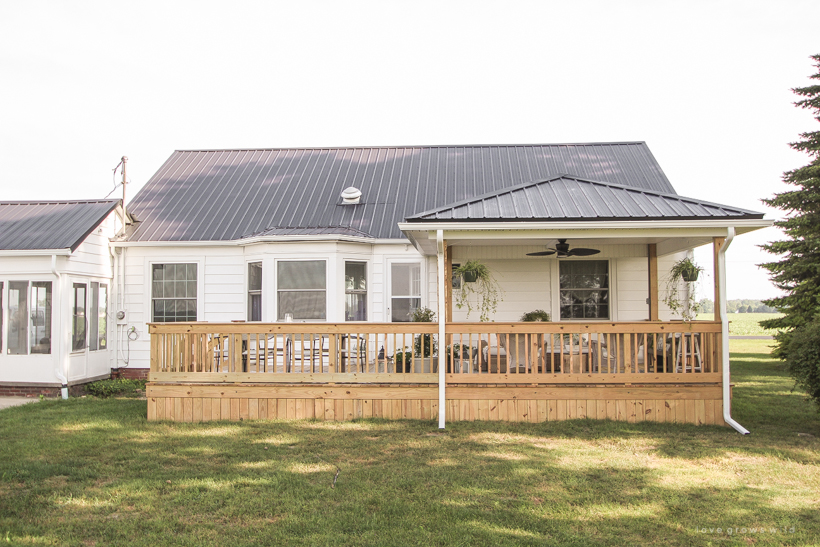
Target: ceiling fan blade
x: 541, y: 253
x: 583, y: 252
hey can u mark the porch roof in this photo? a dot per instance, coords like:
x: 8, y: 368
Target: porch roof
x: 587, y: 211
x: 567, y: 197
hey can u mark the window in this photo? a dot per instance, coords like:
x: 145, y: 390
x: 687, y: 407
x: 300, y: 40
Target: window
x: 255, y: 291
x: 301, y: 289
x: 405, y: 290
x: 78, y: 318
x: 29, y: 311
x: 584, y: 287
x: 98, y: 325
x: 355, y: 291
x: 40, y: 341
x: 174, y: 289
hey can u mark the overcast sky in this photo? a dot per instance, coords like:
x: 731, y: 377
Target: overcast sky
x: 705, y: 84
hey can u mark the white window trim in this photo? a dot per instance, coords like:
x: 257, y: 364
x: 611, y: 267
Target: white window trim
x: 555, y: 291
x: 149, y: 289
x: 248, y: 262
x: 328, y: 285
x: 388, y: 286
x: 343, y: 290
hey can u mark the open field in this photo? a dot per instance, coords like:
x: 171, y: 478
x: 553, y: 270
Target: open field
x: 95, y: 472
x: 746, y: 324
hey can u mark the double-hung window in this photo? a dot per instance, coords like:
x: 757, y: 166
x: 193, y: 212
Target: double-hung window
x: 255, y: 291
x: 584, y: 288
x: 301, y: 289
x: 173, y: 292
x: 405, y: 290
x: 355, y: 291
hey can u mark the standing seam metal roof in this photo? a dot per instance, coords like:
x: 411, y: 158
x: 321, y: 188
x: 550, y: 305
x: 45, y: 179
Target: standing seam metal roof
x: 33, y: 225
x: 219, y: 195
x: 571, y: 198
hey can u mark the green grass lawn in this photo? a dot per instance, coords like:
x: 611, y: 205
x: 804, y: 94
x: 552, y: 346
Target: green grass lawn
x: 745, y: 324
x: 94, y: 472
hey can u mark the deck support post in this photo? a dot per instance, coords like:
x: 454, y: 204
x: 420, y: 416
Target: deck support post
x: 442, y: 326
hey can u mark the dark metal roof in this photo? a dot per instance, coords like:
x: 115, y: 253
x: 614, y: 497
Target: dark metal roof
x: 571, y: 198
x: 32, y: 225
x: 218, y: 195
x: 318, y: 231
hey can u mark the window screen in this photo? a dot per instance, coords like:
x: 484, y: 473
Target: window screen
x: 405, y: 290
x: 355, y: 291
x: 301, y: 289
x: 255, y: 291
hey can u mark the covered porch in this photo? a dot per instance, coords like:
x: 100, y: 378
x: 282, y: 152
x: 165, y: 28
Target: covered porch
x: 631, y: 362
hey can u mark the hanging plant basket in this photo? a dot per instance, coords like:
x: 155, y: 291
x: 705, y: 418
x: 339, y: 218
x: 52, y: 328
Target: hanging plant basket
x: 470, y: 277
x: 690, y: 276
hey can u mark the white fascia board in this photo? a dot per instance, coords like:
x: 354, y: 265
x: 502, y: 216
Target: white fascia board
x: 605, y: 229
x: 35, y: 252
x: 255, y: 241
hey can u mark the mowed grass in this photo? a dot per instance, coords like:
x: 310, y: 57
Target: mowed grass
x: 95, y: 472
x: 746, y: 324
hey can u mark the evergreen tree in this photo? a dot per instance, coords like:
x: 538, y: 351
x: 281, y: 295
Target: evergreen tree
x: 798, y: 271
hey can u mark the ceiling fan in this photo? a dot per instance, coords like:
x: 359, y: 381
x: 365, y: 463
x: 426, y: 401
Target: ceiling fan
x: 563, y: 250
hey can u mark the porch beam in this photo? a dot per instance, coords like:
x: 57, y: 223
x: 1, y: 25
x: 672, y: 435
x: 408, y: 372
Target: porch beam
x: 717, y: 243
x: 652, y: 252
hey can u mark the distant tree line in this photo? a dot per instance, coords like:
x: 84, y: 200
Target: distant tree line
x: 737, y: 306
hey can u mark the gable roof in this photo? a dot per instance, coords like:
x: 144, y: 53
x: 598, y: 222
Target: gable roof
x: 36, y: 225
x: 566, y: 197
x: 223, y: 195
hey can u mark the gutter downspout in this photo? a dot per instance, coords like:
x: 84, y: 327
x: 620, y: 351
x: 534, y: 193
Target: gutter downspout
x: 442, y: 408
x: 115, y: 283
x: 61, y: 375
x: 724, y: 320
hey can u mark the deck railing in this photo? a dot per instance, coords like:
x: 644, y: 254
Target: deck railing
x: 473, y: 353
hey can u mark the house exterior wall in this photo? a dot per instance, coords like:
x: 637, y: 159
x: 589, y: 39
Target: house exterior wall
x: 222, y: 294
x: 90, y: 262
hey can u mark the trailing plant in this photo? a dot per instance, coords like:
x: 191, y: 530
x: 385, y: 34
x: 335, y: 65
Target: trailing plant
x: 682, y: 276
x: 483, y: 294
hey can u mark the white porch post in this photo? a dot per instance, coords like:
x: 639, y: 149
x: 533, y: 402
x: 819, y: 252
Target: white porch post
x: 724, y: 319
x: 442, y: 325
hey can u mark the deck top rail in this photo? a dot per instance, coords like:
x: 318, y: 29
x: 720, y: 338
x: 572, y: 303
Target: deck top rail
x: 473, y: 353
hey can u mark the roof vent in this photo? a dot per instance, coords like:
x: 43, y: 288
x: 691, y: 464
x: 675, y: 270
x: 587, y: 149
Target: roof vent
x: 351, y: 196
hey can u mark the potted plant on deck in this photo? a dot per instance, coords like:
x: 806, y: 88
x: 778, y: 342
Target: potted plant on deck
x: 424, y: 346
x: 682, y: 276
x: 481, y: 293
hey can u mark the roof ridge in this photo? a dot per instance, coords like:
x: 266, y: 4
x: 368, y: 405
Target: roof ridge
x: 392, y: 146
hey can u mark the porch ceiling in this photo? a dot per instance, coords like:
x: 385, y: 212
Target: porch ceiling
x: 669, y: 236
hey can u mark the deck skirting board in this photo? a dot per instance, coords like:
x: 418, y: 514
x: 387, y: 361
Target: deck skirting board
x: 701, y: 404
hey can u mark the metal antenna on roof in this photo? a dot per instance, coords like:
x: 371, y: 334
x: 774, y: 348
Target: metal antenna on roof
x: 124, y: 182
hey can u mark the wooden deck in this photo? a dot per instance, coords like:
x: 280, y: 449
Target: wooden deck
x: 655, y: 371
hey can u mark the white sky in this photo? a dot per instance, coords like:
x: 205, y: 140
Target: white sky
x: 705, y: 84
